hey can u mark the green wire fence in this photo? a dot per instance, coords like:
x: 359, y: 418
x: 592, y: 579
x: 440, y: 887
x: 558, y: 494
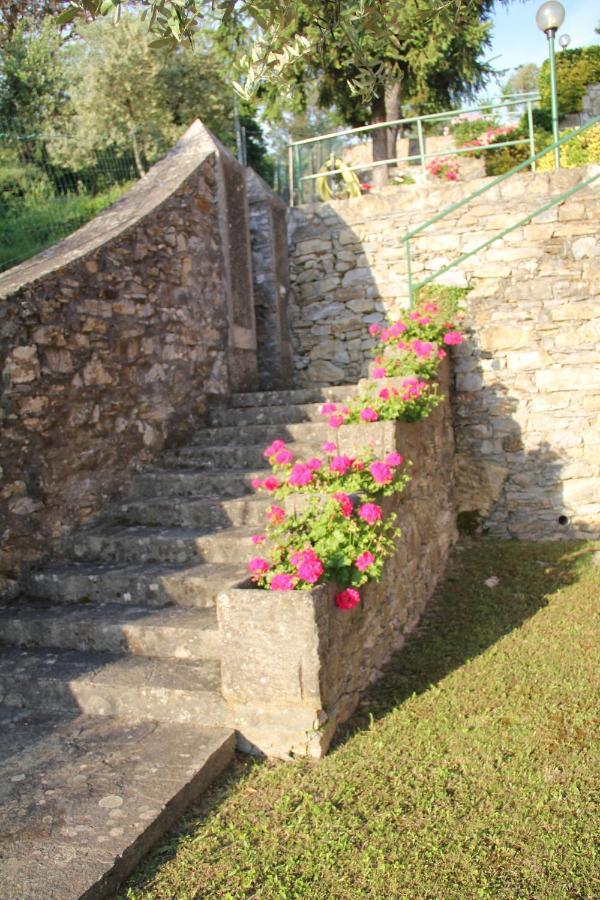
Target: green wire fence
x: 45, y: 194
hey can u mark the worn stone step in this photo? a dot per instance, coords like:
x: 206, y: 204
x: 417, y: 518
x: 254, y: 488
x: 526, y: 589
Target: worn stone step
x: 293, y: 397
x: 147, y: 584
x: 107, y: 684
x: 262, y: 434
x: 221, y: 457
x: 190, y: 482
x: 166, y: 545
x: 266, y: 415
x: 170, y: 633
x: 83, y: 799
x: 191, y: 512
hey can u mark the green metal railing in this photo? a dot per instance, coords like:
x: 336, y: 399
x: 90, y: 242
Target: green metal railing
x: 418, y: 123
x: 413, y: 232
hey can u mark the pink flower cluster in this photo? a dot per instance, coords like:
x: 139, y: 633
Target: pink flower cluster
x: 444, y: 167
x: 308, y: 565
x: 347, y: 599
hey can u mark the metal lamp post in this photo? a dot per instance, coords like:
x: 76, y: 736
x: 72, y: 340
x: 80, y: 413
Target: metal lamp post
x: 549, y: 18
x: 564, y: 41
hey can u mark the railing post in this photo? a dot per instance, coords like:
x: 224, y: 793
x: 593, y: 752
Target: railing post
x: 531, y: 135
x: 291, y: 173
x: 409, y: 274
x: 421, y: 147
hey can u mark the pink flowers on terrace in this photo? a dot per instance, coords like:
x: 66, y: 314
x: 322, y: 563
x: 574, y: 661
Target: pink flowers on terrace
x: 283, y: 582
x: 368, y: 414
x: 301, y: 475
x: 346, y: 506
x: 370, y: 512
x: 347, y: 599
x: 340, y: 464
x: 452, y: 338
x: 308, y: 565
x: 382, y: 472
x: 364, y: 561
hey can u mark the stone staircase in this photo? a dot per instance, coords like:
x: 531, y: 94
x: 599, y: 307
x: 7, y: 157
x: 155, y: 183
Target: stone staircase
x: 110, y: 689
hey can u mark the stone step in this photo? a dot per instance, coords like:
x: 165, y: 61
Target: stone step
x: 220, y: 457
x: 191, y: 512
x: 292, y: 398
x: 82, y: 800
x: 107, y: 684
x: 151, y: 584
x: 190, y: 482
x: 166, y: 545
x: 266, y: 415
x: 168, y: 633
x: 262, y: 435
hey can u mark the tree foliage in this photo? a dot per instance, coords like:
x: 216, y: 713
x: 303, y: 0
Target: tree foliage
x: 32, y: 80
x: 14, y: 12
x: 575, y: 69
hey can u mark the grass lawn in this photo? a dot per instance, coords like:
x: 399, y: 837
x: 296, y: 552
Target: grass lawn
x: 37, y: 227
x: 471, y: 769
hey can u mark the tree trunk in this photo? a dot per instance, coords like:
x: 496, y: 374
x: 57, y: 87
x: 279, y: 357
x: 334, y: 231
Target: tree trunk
x: 386, y: 108
x: 379, y: 138
x: 136, y: 155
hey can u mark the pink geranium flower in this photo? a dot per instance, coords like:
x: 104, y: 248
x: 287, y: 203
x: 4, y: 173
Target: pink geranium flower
x: 340, y: 464
x: 397, y: 329
x: 374, y: 329
x: 441, y: 354
x: 276, y: 515
x: 414, y: 316
x: 384, y: 393
x: 368, y: 414
x: 370, y: 513
x: 272, y: 449
x: 365, y: 560
x: 271, y: 483
x: 328, y: 408
x: 329, y: 447
x: 336, y: 421
x: 347, y: 599
x: 257, y: 483
x: 282, y: 582
x: 315, y: 463
x: 258, y: 538
x: 258, y: 565
x: 394, y: 459
x: 453, y: 337
x: 283, y: 457
x: 382, y: 473
x: 345, y: 502
x: 308, y: 565
x: 378, y: 372
x: 300, y: 475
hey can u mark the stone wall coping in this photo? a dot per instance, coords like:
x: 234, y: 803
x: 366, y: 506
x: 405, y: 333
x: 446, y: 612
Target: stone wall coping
x: 260, y: 192
x: 161, y: 181
x: 406, y: 199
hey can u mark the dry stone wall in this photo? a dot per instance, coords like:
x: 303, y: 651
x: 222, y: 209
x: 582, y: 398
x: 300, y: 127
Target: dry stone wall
x: 114, y: 341
x: 527, y: 388
x: 293, y: 665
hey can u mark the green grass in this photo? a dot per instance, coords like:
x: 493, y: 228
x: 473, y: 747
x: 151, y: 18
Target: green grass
x: 39, y: 226
x: 470, y: 770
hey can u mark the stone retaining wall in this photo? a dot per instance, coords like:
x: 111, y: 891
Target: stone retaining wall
x: 113, y: 341
x: 293, y: 665
x: 526, y: 398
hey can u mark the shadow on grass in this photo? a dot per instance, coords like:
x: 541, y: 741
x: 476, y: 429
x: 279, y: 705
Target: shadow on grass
x: 464, y: 618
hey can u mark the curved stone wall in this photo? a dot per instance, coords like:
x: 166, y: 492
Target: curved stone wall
x: 113, y: 341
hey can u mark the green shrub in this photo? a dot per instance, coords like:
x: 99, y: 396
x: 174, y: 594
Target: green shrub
x: 575, y: 69
x: 468, y: 130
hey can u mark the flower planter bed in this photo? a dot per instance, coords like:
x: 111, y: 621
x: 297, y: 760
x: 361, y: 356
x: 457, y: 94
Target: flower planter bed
x: 293, y: 663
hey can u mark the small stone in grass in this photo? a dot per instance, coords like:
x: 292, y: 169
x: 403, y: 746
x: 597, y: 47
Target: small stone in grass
x: 492, y: 582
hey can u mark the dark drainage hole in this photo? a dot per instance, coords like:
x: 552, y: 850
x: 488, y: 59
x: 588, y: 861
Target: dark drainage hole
x: 563, y: 520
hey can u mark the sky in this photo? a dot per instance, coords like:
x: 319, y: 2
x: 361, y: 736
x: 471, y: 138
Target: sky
x: 516, y: 39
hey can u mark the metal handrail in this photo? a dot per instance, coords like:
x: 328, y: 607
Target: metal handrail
x: 406, y: 238
x: 513, y: 100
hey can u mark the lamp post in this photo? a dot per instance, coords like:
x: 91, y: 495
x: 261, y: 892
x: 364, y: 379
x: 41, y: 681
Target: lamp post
x: 549, y: 18
x: 564, y: 41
